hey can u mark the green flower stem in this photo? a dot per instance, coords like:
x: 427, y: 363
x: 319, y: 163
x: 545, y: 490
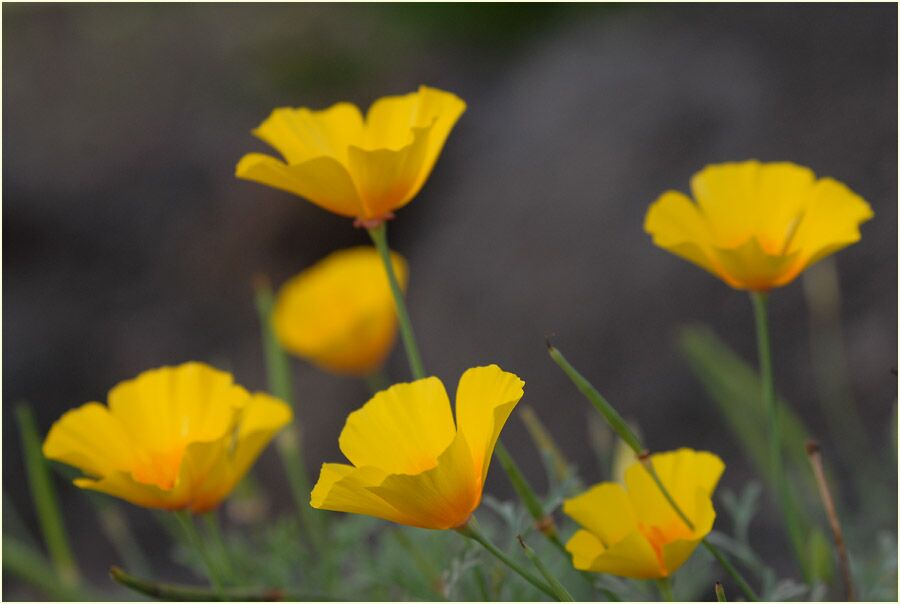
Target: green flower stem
x: 731, y: 570
x: 278, y: 368
x: 44, y: 497
x: 31, y: 567
x: 214, y: 533
x: 187, y: 593
x: 720, y: 593
x: 562, y: 593
x: 612, y: 417
x: 190, y: 530
x: 648, y: 465
x: 770, y: 406
x: 524, y: 490
x: 288, y: 443
x: 379, y: 238
x: 627, y: 435
x: 543, y: 522
x: 471, y: 531
x: 665, y: 589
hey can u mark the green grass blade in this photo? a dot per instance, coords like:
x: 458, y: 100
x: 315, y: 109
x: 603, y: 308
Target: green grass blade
x: 44, y: 498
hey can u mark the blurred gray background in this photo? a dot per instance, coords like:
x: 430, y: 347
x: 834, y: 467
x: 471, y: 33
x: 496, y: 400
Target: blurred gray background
x: 129, y: 244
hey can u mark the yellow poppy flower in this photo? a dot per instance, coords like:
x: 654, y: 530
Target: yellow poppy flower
x: 631, y: 530
x: 340, y: 313
x: 361, y: 168
x: 172, y: 438
x: 757, y: 225
x: 410, y: 463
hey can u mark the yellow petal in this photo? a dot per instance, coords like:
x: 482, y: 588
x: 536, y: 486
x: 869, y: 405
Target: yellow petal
x: 605, y: 510
x: 210, y: 470
x: 832, y: 220
x: 387, y: 179
x: 391, y: 121
x: 685, y: 473
x: 340, y: 312
x: 400, y: 430
x: 323, y: 181
x: 261, y: 419
x: 163, y: 410
x: 343, y: 488
x: 756, y: 225
x: 749, y: 266
x: 352, y: 168
x: 780, y: 195
x: 675, y: 553
x: 677, y: 225
x: 90, y: 438
x: 440, y: 498
x: 123, y: 486
x: 205, y: 477
x: 631, y: 557
x: 585, y: 548
x: 301, y: 134
x: 485, y: 397
x: 445, y: 110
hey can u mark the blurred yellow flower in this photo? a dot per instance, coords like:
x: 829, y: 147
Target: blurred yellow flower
x: 339, y: 313
x: 757, y: 225
x: 631, y: 530
x: 172, y: 438
x: 410, y: 463
x: 361, y: 168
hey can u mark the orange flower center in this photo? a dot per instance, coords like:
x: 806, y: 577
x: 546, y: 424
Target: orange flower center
x: 159, y: 468
x: 658, y: 536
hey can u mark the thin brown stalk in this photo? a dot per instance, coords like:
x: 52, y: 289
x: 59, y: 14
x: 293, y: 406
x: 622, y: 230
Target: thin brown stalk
x: 815, y: 459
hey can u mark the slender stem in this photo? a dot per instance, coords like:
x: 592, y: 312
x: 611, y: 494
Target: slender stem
x: 723, y: 561
x: 720, y: 593
x: 289, y: 442
x: 542, y: 522
x: 214, y: 532
x: 524, y: 489
x: 471, y: 531
x: 626, y: 434
x: 815, y: 459
x: 43, y: 494
x: 770, y: 406
x: 665, y: 589
x: 562, y: 594
x: 648, y: 465
x: 379, y: 238
x: 189, y: 593
x: 190, y: 530
x: 278, y: 368
x: 609, y: 413
x: 731, y: 570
